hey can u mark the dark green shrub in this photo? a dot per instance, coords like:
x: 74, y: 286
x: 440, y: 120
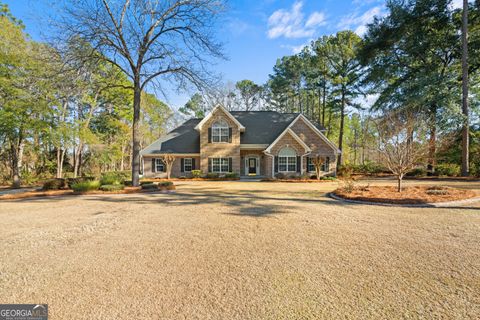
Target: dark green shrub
x: 196, y: 173
x: 149, y: 186
x: 86, y: 186
x: 447, y: 169
x: 368, y: 168
x: 417, y: 172
x: 114, y: 177
x: 165, y: 183
x: 55, y: 184
x: 128, y: 183
x: 212, y: 175
x: 231, y: 175
x: 112, y: 187
x: 72, y: 181
x: 328, y: 178
x: 280, y: 175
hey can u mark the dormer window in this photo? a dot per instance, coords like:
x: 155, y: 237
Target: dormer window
x: 220, y: 131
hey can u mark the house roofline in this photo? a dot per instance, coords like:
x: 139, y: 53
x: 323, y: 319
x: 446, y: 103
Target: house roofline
x: 294, y: 135
x: 210, y: 114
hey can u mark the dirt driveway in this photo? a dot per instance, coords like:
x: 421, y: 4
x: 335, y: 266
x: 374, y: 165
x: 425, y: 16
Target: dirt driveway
x: 239, y: 250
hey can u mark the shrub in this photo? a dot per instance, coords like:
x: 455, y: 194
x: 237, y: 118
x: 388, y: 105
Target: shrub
x: 328, y: 178
x: 212, y: 175
x: 231, y: 175
x: 437, y: 190
x: 447, y: 169
x: 348, y: 186
x: 165, y: 183
x: 55, y: 184
x: 149, y: 186
x: 86, y: 186
x: 112, y: 187
x: 72, y: 181
x: 417, y: 172
x: 314, y: 176
x: 196, y: 173
x: 128, y: 183
x: 114, y: 177
x: 280, y: 175
x: 345, y: 171
x: 368, y: 168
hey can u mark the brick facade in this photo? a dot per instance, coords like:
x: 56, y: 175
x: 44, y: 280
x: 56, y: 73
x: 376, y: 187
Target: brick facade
x: 176, y: 168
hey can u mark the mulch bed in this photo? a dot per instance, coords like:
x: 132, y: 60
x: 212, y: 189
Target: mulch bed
x: 297, y: 180
x: 189, y: 179
x: 409, y: 195
x: 50, y: 193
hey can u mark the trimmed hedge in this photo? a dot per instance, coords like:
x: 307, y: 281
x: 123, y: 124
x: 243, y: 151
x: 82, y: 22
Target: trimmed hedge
x: 55, y: 184
x: 447, y: 169
x: 86, y: 186
x: 196, y: 173
x: 112, y: 187
x: 149, y: 186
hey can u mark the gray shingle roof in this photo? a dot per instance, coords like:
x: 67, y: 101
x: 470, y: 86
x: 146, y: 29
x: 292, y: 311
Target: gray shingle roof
x: 261, y: 127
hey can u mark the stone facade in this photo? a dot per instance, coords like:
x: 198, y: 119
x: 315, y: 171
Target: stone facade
x: 220, y: 149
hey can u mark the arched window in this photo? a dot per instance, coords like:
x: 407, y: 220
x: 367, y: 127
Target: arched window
x: 220, y: 131
x: 287, y: 160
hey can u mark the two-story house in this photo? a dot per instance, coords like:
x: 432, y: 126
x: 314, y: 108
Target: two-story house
x: 249, y: 143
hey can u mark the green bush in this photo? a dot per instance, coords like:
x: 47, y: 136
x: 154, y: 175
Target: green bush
x: 280, y: 175
x: 417, y: 172
x: 368, y: 168
x: 149, y: 186
x: 212, y: 175
x: 114, y: 177
x: 447, y: 169
x: 128, y: 183
x: 328, y: 178
x: 72, y: 181
x: 231, y: 175
x: 345, y: 171
x: 86, y: 186
x: 55, y: 184
x: 112, y: 187
x: 196, y: 173
x: 165, y: 183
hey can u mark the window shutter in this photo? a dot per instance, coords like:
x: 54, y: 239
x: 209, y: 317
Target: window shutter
x: 153, y: 165
x: 182, y: 162
x: 327, y: 164
x: 299, y: 162
x: 230, y: 164
x: 193, y: 164
x: 308, y: 163
x: 276, y: 164
x: 230, y: 134
x: 209, y: 135
x: 209, y: 164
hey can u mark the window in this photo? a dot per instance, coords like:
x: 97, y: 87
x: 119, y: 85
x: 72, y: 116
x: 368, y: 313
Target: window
x: 159, y: 166
x: 220, y: 165
x: 310, y: 165
x: 187, y: 164
x: 220, y: 132
x: 287, y: 160
x: 326, y: 164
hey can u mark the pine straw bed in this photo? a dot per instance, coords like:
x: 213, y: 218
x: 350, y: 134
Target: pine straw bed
x: 409, y: 195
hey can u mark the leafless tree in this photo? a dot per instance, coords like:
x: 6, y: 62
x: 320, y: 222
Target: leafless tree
x: 401, y: 142
x: 168, y: 161
x: 318, y: 161
x: 151, y: 41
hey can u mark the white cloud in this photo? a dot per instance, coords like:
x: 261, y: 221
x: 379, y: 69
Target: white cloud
x: 291, y: 23
x: 316, y: 19
x: 359, y: 21
x: 457, y: 4
x: 298, y: 48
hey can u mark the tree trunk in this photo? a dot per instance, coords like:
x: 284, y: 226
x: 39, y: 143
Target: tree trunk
x: 324, y: 100
x: 466, y: 128
x: 136, y: 133
x: 17, y: 155
x: 399, y: 181
x: 78, y: 160
x: 342, y: 124
x: 432, y: 142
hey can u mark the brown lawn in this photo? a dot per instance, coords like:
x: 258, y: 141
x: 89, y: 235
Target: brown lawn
x: 240, y: 250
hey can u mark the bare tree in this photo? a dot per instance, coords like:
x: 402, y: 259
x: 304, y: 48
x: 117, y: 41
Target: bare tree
x: 168, y: 161
x: 169, y: 40
x: 401, y: 142
x: 317, y: 163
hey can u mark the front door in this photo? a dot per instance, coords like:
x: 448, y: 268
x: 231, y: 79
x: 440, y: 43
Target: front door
x: 252, y: 166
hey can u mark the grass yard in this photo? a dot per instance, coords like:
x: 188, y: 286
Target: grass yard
x: 240, y: 250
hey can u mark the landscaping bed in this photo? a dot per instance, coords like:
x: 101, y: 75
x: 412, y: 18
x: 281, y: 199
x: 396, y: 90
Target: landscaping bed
x: 326, y: 179
x: 47, y: 193
x: 409, y: 195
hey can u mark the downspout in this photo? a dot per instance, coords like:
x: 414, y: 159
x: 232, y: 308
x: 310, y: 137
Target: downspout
x: 273, y: 162
x: 301, y: 161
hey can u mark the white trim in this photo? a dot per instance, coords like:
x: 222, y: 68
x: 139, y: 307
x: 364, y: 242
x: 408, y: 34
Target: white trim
x: 247, y: 164
x: 171, y: 154
x: 204, y: 120
x: 191, y: 164
x: 253, y: 146
x: 294, y: 135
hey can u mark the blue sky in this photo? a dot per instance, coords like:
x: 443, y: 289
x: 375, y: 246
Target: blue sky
x: 256, y: 32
